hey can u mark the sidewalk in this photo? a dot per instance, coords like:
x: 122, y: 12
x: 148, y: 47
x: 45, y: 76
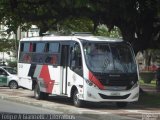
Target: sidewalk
x: 149, y: 89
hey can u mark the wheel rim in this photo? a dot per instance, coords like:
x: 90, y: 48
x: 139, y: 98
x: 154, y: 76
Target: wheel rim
x: 13, y: 85
x: 76, y: 99
x: 36, y: 93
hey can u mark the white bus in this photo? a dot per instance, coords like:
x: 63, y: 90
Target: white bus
x: 84, y: 68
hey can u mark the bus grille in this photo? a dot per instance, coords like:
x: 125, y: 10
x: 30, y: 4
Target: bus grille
x: 114, y: 81
x: 106, y: 80
x: 114, y: 97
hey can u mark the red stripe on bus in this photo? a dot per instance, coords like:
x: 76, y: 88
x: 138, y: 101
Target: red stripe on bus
x: 95, y: 81
x: 46, y: 77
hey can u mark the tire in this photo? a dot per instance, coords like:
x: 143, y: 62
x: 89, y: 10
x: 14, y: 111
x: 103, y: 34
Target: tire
x: 45, y: 96
x: 37, y: 93
x: 77, y: 102
x: 13, y: 85
x: 121, y: 104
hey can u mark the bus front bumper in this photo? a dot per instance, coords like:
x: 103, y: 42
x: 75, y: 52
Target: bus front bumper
x: 95, y: 95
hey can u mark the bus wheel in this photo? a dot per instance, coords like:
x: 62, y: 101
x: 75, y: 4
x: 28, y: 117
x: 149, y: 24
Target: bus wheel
x: 77, y: 102
x: 37, y: 93
x: 45, y: 96
x: 121, y: 104
x: 13, y: 85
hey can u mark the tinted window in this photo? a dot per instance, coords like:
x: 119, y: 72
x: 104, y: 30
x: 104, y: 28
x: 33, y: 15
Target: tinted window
x: 26, y: 47
x: 11, y: 70
x: 107, y: 58
x: 54, y: 47
x: 22, y: 47
x: 40, y: 47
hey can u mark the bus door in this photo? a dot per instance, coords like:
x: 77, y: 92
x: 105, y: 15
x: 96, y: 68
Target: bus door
x: 75, y: 71
x: 24, y: 70
x: 64, y: 64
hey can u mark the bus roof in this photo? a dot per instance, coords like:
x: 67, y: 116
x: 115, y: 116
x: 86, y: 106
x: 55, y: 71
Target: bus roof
x: 99, y: 38
x: 65, y: 38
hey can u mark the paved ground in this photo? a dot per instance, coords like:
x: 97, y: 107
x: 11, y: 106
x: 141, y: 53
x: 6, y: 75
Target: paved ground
x: 149, y: 89
x: 132, y: 112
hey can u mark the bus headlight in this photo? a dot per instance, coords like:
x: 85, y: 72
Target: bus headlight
x: 89, y: 82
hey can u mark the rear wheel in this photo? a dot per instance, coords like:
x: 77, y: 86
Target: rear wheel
x: 77, y: 102
x: 37, y: 93
x: 45, y: 95
x: 121, y: 104
x: 13, y: 85
x: 40, y: 95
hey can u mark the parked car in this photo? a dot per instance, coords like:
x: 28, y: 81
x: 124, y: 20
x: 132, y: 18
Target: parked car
x: 8, y: 77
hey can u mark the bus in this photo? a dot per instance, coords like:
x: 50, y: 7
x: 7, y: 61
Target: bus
x: 84, y: 68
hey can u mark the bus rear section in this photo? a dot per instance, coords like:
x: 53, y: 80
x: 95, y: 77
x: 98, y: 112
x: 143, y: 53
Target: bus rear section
x: 48, y: 65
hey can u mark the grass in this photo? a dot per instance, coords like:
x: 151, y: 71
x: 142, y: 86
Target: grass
x: 149, y: 100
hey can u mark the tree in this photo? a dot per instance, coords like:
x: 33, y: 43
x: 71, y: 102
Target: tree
x: 7, y: 44
x: 75, y: 25
x: 102, y: 30
x: 138, y: 20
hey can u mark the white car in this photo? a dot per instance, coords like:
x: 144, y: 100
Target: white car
x: 8, y: 77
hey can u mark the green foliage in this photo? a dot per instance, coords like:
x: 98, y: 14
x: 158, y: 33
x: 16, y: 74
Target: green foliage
x: 6, y: 43
x: 76, y: 25
x: 138, y: 20
x: 151, y: 56
x: 147, y: 76
x: 151, y: 84
x: 149, y: 100
x: 102, y: 30
x: 12, y: 64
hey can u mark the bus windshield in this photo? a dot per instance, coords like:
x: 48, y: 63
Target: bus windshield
x: 109, y: 57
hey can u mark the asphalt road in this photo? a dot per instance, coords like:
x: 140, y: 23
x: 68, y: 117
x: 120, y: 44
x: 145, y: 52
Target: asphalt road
x: 13, y: 107
x: 22, y: 101
x: 11, y: 110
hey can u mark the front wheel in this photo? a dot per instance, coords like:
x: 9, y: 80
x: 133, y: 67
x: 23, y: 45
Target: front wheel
x: 121, y: 104
x: 77, y: 102
x: 13, y: 85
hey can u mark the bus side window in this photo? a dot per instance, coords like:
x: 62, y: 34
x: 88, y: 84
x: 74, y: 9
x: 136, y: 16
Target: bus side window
x: 22, y: 47
x: 76, y: 60
x: 46, y: 49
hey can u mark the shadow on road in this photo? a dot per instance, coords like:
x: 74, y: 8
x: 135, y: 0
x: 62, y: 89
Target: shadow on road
x: 147, y: 101
x: 144, y: 103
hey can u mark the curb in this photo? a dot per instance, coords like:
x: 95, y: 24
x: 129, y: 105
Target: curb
x: 91, y: 114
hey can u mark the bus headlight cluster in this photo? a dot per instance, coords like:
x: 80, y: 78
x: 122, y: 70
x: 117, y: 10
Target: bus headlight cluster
x: 90, y: 83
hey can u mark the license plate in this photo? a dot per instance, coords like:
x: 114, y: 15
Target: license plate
x: 115, y: 94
